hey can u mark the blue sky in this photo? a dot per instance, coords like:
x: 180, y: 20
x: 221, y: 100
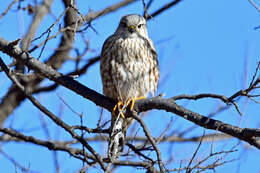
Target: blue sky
x: 203, y: 47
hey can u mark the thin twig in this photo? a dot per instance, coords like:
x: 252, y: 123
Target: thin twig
x: 195, y: 153
x: 254, y: 5
x: 7, y: 9
x: 51, y: 115
x: 162, y: 9
x: 150, y: 138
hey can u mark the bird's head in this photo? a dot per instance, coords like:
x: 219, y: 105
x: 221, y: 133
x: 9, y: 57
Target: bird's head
x: 132, y: 25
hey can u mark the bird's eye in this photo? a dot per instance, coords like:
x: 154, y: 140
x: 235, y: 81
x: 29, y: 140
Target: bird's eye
x: 124, y: 24
x: 139, y: 26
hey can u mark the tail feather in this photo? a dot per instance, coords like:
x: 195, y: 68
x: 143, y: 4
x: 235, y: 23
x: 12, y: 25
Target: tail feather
x: 117, y: 138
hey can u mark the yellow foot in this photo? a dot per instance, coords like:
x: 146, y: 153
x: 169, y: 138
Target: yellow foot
x: 133, y: 101
x: 119, y: 105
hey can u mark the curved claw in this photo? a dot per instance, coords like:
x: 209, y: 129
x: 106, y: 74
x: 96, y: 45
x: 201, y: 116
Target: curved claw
x: 119, y: 105
x: 133, y: 101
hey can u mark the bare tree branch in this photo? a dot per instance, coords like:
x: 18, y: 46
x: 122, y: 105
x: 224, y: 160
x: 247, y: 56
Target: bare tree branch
x: 143, y: 151
x: 51, y: 115
x: 8, y: 8
x: 150, y: 138
x: 14, y: 97
x: 40, y: 13
x: 75, y: 152
x: 245, y: 134
x: 162, y: 9
x: 254, y: 5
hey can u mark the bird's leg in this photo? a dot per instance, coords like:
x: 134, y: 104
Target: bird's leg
x: 133, y: 101
x: 119, y: 105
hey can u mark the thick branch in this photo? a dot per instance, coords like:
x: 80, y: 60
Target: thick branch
x: 48, y: 144
x: 169, y: 105
x: 14, y: 97
x: 54, y: 118
x: 40, y: 13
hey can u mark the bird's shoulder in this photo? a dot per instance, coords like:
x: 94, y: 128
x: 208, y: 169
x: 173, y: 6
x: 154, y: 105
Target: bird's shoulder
x: 111, y: 39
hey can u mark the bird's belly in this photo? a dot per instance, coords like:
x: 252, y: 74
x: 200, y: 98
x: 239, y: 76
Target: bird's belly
x: 131, y: 70
x: 132, y: 80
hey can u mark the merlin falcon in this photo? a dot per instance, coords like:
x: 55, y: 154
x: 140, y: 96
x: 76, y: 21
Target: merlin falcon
x: 129, y: 70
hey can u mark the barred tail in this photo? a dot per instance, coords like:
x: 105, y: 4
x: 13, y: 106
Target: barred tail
x: 117, y: 138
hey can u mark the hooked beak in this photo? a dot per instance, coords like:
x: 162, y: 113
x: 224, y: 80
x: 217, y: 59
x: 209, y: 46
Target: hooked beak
x: 132, y: 28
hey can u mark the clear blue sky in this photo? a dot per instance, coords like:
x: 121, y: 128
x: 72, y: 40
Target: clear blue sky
x: 203, y: 47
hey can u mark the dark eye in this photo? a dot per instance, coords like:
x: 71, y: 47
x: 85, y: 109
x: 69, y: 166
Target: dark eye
x: 124, y: 24
x: 139, y: 26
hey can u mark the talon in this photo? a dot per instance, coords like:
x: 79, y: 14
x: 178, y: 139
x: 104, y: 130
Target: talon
x: 119, y: 105
x: 122, y: 115
x: 132, y: 104
x: 133, y: 101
